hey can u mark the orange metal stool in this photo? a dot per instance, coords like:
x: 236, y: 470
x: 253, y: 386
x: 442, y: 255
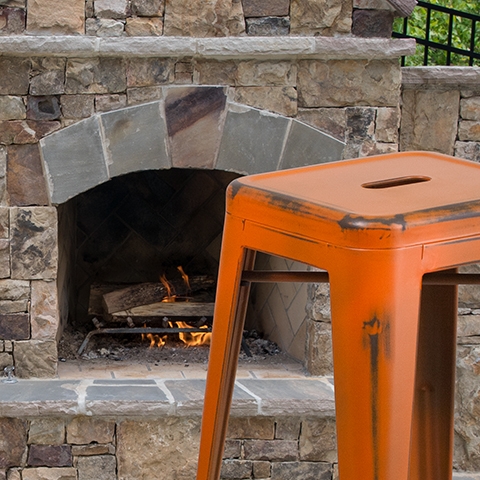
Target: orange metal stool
x: 377, y: 225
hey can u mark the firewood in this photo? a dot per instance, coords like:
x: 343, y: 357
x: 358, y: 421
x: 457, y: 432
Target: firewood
x: 148, y: 293
x: 167, y: 309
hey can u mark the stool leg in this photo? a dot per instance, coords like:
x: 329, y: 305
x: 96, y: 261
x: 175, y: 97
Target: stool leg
x: 432, y: 442
x: 230, y: 308
x: 375, y: 300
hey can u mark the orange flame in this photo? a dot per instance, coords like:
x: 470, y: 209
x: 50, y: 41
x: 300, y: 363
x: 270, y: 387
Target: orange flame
x: 184, y: 276
x: 193, y: 339
x: 170, y: 297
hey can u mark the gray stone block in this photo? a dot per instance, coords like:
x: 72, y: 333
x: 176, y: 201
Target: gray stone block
x: 281, y: 397
x: 303, y: 470
x: 135, y: 139
x: 189, y: 394
x: 268, y: 26
x: 252, y: 141
x: 308, y: 146
x: 74, y: 160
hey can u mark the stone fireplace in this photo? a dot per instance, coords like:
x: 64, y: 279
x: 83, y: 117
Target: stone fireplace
x: 140, y: 190
x: 143, y: 168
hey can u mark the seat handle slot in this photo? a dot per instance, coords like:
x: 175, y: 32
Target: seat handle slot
x: 396, y: 182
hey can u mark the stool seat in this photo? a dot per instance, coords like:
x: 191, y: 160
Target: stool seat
x: 377, y: 225
x: 406, y: 194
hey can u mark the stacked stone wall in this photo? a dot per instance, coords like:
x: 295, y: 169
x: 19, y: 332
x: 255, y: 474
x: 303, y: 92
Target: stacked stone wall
x: 86, y: 448
x: 196, y: 18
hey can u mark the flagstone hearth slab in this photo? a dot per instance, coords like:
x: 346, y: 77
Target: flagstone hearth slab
x: 153, y: 397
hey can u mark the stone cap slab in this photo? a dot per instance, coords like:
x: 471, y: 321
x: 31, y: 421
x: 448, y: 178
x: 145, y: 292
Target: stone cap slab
x: 426, y: 77
x: 153, y: 397
x: 216, y: 48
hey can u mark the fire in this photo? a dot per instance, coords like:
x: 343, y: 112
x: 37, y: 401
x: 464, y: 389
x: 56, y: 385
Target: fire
x: 184, y: 276
x: 192, y: 339
x: 170, y: 297
x: 155, y: 340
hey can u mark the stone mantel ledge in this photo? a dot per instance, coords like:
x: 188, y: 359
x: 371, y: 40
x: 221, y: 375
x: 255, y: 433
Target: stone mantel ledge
x: 310, y: 397
x: 426, y: 77
x: 215, y: 48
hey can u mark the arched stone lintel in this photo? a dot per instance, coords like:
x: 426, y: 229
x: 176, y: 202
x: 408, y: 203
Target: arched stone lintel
x: 190, y: 127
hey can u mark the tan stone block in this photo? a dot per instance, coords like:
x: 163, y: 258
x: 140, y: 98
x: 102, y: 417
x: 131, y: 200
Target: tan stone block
x: 104, y: 27
x: 14, y: 474
x: 14, y: 79
x: 469, y: 130
x: 4, y: 222
x: 93, y: 449
x: 47, y: 431
x: 77, y: 106
x: 5, y: 261
x: 251, y: 427
x: 48, y: 76
x: 319, y: 359
x: 469, y: 295
x: 144, y: 27
x: 318, y: 440
x: 369, y: 148
x: 107, y: 103
x: 147, y: 72
x: 328, y: 120
x: 6, y: 360
x: 111, y: 8
x: 266, y: 8
x: 320, y: 17
x: 46, y: 473
x: 470, y: 108
x: 85, y: 430
x: 148, y: 8
x: 338, y: 83
x: 49, y: 16
x: 212, y: 72
x: 204, y: 18
x: 44, y: 313
x: 25, y: 181
x: 34, y: 247
x: 429, y: 120
x: 387, y: 125
x: 25, y: 131
x: 136, y: 96
x: 3, y: 191
x: 12, y: 108
x: 99, y: 466
x: 139, y: 444
x: 282, y: 100
x: 100, y: 75
x: 35, y: 358
x: 255, y: 73
x: 468, y: 150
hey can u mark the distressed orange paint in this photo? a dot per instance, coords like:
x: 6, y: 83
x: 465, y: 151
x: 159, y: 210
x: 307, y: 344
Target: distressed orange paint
x: 377, y: 225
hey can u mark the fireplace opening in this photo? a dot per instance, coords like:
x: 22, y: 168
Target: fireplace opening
x: 139, y: 258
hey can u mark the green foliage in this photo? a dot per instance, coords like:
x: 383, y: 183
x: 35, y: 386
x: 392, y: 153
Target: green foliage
x: 439, y: 23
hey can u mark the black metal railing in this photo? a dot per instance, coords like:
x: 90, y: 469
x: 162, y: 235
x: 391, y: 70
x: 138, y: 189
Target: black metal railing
x: 455, y: 51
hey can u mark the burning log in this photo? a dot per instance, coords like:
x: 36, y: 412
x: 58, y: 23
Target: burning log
x: 151, y: 293
x: 161, y: 309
